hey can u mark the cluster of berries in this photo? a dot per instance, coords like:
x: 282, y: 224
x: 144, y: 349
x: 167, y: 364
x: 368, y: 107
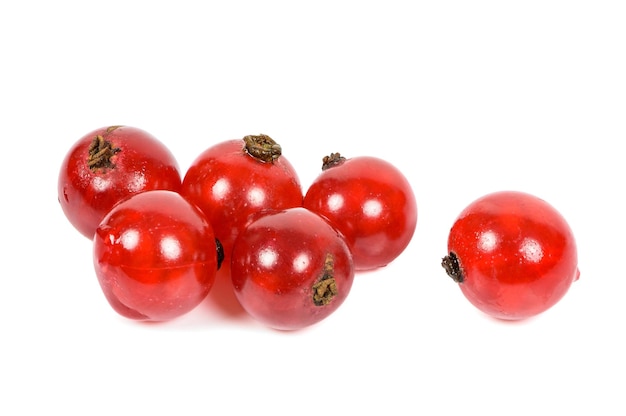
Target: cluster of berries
x: 159, y: 237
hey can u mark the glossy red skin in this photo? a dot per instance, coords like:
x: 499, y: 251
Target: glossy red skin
x: 143, y: 163
x: 277, y: 260
x: 517, y: 254
x: 371, y: 203
x: 232, y: 188
x: 155, y: 256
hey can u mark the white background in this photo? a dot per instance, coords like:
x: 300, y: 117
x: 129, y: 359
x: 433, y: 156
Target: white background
x: 465, y: 97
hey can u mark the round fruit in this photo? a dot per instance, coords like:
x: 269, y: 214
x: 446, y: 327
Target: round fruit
x: 291, y: 269
x: 155, y: 256
x: 370, y: 202
x: 108, y: 165
x: 513, y: 255
x: 235, y: 180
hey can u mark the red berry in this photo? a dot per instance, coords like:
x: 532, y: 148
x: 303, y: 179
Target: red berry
x: 291, y: 269
x: 235, y: 180
x: 370, y: 202
x: 155, y: 256
x: 108, y: 165
x: 513, y: 255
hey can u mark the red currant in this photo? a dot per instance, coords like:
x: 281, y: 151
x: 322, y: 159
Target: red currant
x: 108, y: 165
x: 513, y: 255
x: 370, y: 202
x: 291, y: 269
x: 155, y: 256
x: 235, y: 180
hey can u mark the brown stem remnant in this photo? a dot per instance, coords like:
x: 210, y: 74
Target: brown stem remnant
x: 334, y: 159
x: 451, y: 264
x: 219, y: 248
x: 262, y: 147
x: 100, y: 153
x: 325, y: 289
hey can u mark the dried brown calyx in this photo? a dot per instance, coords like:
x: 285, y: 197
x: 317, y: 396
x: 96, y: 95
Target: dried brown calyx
x: 101, y: 152
x: 325, y: 289
x: 262, y: 147
x: 334, y: 159
x: 451, y: 264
